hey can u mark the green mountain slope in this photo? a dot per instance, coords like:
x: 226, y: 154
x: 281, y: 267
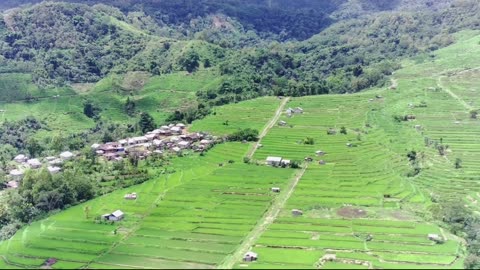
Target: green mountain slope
x: 372, y: 202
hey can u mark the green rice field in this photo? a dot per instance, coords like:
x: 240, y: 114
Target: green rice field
x: 361, y: 207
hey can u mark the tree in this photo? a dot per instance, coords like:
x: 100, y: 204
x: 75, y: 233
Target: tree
x: 309, y: 141
x: 129, y: 107
x: 248, y: 134
x: 343, y: 130
x: 57, y: 143
x: 472, y: 262
x: 412, y: 156
x: 86, y: 211
x: 190, y: 61
x: 90, y: 110
x: 458, y: 163
x: 207, y: 63
x: 357, y: 71
x: 474, y: 114
x: 146, y: 122
x: 34, y: 148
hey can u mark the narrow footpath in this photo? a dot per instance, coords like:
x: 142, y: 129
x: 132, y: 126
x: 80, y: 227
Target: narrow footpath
x: 269, y: 126
x: 263, y: 223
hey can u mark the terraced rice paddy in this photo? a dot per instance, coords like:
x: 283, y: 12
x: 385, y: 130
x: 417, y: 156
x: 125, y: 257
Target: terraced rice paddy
x: 248, y: 114
x: 190, y: 219
x: 355, y: 205
x: 359, y: 205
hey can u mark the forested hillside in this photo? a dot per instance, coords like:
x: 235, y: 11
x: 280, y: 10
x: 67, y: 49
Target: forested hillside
x: 78, y: 72
x: 253, y: 49
x: 257, y: 47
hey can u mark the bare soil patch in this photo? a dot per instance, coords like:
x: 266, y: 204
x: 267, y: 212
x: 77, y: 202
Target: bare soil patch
x: 350, y: 212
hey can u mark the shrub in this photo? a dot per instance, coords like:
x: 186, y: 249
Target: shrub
x: 248, y: 134
x: 309, y: 141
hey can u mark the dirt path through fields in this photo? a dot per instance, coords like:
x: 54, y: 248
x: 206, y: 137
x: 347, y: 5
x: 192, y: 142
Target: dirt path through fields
x: 263, y: 223
x: 267, y: 128
x: 452, y: 94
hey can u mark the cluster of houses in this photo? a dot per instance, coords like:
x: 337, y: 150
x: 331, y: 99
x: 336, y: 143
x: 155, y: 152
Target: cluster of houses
x: 24, y: 163
x: 290, y: 112
x: 172, y: 138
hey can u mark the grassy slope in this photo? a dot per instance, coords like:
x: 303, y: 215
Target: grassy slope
x: 159, y: 96
x: 249, y: 114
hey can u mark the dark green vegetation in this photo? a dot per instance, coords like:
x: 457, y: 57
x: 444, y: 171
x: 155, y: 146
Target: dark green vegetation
x: 74, y: 44
x: 81, y: 72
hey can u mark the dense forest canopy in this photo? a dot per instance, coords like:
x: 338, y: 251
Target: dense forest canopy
x: 250, y: 48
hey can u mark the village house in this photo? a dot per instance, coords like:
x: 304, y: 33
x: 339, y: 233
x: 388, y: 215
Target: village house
x: 12, y: 184
x: 286, y: 162
x: 183, y: 144
x: 176, y: 130
x: 205, y: 142
x: 308, y: 159
x: 115, y: 216
x: 165, y: 132
x: 274, y: 161
x: 48, y: 159
x: 53, y: 169
x: 193, y: 137
x: 298, y: 110
x: 147, y: 145
x: 275, y: 189
x: 131, y: 141
x: 95, y: 146
x: 130, y: 196
x: 319, y: 153
x: 176, y: 149
x: 123, y: 143
x: 157, y: 143
x: 434, y: 237
x: 20, y: 159
x: 34, y: 163
x: 329, y: 257
x: 56, y: 162
x: 250, y: 256
x: 331, y: 131
x: 151, y: 137
x: 410, y: 117
x: 282, y: 123
x: 322, y: 162
x: 66, y: 155
x: 110, y: 148
x: 16, y: 174
x: 180, y: 125
x: 296, y: 212
x: 139, y: 140
x: 158, y: 152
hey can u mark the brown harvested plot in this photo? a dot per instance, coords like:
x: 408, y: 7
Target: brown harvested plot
x: 350, y: 212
